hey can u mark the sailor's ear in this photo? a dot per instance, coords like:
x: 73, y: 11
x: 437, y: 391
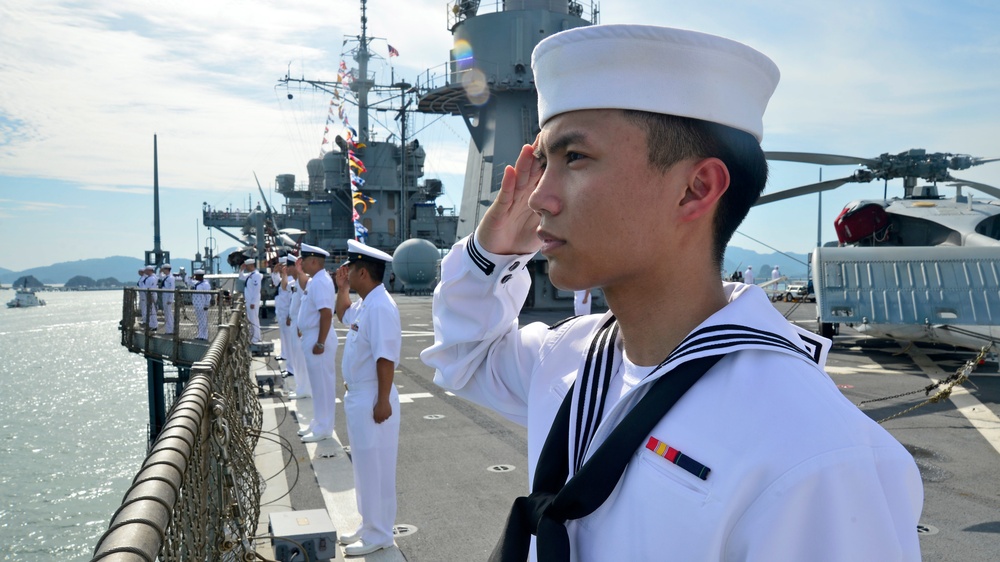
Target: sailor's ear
x: 707, y: 181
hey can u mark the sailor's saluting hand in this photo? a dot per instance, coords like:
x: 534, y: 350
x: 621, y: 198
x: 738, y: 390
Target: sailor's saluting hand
x: 508, y: 226
x: 340, y: 277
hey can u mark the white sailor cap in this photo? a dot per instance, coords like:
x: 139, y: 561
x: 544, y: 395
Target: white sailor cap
x: 165, y: 266
x: 654, y: 69
x: 356, y: 251
x: 150, y: 267
x: 283, y: 259
x: 308, y: 251
x: 199, y: 272
x: 291, y: 258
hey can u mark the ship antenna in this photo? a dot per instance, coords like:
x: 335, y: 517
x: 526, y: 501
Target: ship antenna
x: 362, y: 82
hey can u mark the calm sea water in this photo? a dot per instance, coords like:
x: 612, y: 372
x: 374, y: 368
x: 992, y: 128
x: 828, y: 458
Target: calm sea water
x: 73, y: 419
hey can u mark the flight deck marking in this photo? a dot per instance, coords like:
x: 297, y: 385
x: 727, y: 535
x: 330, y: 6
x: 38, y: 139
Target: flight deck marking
x: 981, y: 417
x: 500, y: 468
x: 433, y: 416
x: 403, y: 530
x: 408, y: 398
x: 869, y: 369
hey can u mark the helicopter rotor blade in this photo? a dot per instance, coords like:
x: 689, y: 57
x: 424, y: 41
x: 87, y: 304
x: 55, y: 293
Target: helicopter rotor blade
x: 987, y: 189
x: 803, y: 190
x: 823, y: 159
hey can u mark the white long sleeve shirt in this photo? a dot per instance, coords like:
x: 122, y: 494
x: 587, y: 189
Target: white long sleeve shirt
x: 797, y: 472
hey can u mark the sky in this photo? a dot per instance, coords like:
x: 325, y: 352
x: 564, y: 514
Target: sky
x: 85, y: 84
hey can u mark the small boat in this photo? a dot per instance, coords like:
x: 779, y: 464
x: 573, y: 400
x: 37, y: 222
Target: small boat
x: 25, y: 298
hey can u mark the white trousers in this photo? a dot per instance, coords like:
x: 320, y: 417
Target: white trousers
x: 168, y: 315
x: 323, y: 378
x: 151, y: 318
x: 294, y: 361
x: 253, y: 315
x: 374, y: 448
x: 202, y: 315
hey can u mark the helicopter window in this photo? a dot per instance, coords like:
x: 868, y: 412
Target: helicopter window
x: 914, y: 231
x: 990, y: 227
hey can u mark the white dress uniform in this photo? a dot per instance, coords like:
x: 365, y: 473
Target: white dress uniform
x: 201, y: 303
x: 320, y: 293
x: 251, y: 297
x: 140, y: 285
x: 796, y: 472
x: 282, y: 304
x: 303, y: 388
x: 168, y: 302
x: 151, y: 282
x: 748, y: 276
x: 374, y: 334
x: 581, y: 308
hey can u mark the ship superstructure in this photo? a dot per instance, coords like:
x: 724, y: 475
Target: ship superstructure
x: 488, y: 81
x: 358, y: 187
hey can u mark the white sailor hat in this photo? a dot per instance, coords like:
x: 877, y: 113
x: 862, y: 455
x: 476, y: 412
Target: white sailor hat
x: 356, y: 251
x: 150, y: 267
x: 283, y: 259
x: 308, y: 251
x: 291, y: 258
x: 165, y: 266
x: 654, y: 69
x: 199, y: 272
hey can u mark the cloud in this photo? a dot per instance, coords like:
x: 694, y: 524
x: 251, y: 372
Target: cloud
x: 119, y: 189
x: 17, y: 206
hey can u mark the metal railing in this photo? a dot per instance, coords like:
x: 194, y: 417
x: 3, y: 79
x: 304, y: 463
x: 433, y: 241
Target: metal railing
x: 137, y: 335
x: 197, y: 495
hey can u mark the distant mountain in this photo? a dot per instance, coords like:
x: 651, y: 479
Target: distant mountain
x: 120, y: 267
x: 125, y: 268
x: 790, y: 264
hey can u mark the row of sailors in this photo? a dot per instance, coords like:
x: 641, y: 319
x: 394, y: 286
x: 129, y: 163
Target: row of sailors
x: 167, y: 281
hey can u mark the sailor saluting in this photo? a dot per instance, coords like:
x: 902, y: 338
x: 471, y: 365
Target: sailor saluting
x: 691, y: 420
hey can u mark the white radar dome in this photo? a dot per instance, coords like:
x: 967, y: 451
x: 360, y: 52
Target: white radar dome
x: 415, y: 264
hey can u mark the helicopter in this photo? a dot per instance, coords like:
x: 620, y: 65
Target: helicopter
x: 920, y: 268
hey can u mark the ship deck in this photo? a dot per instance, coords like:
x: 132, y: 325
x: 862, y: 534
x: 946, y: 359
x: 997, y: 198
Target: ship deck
x: 460, y: 465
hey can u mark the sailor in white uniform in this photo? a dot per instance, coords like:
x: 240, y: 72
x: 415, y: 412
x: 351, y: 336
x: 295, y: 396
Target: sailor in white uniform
x: 168, y: 285
x: 371, y: 403
x: 303, y: 388
x: 140, y: 285
x: 319, y: 341
x: 149, y: 307
x: 251, y: 297
x: 747, y: 450
x: 201, y: 302
x: 748, y: 275
x: 282, y: 304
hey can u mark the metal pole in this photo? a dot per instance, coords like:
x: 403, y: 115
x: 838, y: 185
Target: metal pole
x: 156, y: 206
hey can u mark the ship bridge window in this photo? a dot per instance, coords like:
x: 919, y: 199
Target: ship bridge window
x: 990, y: 227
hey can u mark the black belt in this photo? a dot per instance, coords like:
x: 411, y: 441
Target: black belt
x: 554, y: 500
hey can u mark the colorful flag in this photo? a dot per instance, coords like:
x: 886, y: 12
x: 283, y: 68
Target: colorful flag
x: 393, y: 52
